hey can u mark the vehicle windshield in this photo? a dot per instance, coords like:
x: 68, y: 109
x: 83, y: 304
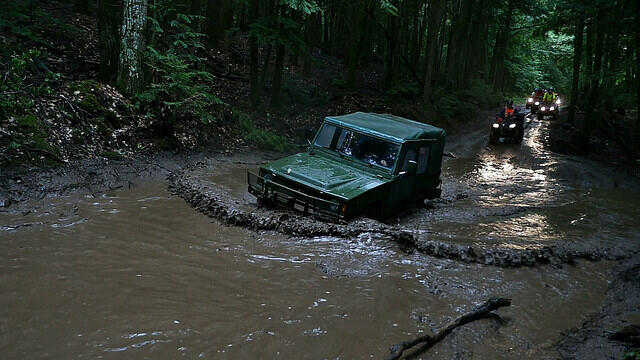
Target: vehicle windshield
x: 368, y: 149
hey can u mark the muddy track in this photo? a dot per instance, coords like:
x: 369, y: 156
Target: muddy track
x: 613, y: 330
x: 217, y: 203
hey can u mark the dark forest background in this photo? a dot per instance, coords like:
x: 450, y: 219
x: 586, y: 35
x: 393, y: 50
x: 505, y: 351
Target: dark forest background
x: 111, y: 77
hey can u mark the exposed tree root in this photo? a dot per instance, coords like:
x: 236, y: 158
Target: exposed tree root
x: 481, y: 312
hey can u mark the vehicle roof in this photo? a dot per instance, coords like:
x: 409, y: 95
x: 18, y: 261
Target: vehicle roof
x: 391, y: 127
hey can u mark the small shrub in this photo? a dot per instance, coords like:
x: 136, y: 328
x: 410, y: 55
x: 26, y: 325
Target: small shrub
x: 405, y: 89
x: 263, y: 139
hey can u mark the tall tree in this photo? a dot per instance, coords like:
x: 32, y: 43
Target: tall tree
x: 577, y: 56
x: 130, y: 73
x: 109, y: 21
x: 435, y: 20
x: 254, y: 8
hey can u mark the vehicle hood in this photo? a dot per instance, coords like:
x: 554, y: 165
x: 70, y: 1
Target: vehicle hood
x: 325, y: 174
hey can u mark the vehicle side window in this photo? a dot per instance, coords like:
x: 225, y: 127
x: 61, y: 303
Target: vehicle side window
x: 410, y: 155
x: 325, y: 135
x: 423, y: 160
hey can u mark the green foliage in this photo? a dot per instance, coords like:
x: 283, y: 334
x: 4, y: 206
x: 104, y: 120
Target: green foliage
x: 179, y: 84
x: 405, y: 89
x: 263, y: 139
x: 451, y: 105
x: 631, y: 355
x: 305, y: 6
x: 306, y: 95
x: 28, y: 23
x: 19, y: 86
x: 278, y: 30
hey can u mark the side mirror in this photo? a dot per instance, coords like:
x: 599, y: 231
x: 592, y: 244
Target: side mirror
x: 412, y: 167
x: 309, y: 134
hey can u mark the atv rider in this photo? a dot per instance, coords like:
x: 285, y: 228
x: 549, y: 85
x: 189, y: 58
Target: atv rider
x: 549, y: 97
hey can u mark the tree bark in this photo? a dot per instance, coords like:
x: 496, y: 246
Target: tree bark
x: 253, y: 57
x: 219, y: 19
x: 594, y: 104
x: 109, y: 21
x: 130, y: 73
x: 577, y: 56
x: 500, y: 49
x: 277, y: 76
x: 435, y: 18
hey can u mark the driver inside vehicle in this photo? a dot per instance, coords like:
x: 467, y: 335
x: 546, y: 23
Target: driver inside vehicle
x: 371, y: 150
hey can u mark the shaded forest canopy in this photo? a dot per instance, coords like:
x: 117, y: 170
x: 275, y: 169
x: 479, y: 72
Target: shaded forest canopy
x: 198, y: 64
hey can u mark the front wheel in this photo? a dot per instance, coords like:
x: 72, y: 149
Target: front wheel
x: 493, y: 137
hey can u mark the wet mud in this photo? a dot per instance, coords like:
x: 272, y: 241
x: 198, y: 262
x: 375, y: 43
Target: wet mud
x: 613, y: 330
x: 137, y: 273
x: 502, y: 206
x: 107, y: 263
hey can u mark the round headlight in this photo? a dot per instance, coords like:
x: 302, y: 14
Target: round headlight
x: 551, y: 108
x: 496, y: 125
x: 512, y: 126
x: 531, y: 100
x: 537, y: 102
x: 543, y: 108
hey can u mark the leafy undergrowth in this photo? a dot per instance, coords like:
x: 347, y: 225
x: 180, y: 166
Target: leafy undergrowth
x: 263, y: 139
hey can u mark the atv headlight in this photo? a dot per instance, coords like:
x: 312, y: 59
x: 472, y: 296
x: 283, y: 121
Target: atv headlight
x: 537, y: 102
x: 530, y: 100
x: 558, y: 102
x: 496, y: 126
x: 551, y: 108
x: 512, y: 126
x: 543, y: 108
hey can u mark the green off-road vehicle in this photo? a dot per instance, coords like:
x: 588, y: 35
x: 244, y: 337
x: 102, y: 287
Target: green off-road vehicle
x: 357, y: 164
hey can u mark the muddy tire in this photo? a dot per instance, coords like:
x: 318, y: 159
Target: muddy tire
x: 493, y: 137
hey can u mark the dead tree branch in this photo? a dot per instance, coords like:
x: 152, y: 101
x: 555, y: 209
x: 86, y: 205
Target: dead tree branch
x: 481, y: 312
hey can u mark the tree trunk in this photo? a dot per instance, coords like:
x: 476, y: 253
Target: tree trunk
x: 253, y: 57
x: 130, y: 73
x: 277, y: 76
x: 577, y: 56
x: 435, y: 18
x: 594, y: 105
x: 353, y: 39
x: 265, y: 67
x: 109, y: 12
x: 588, y: 68
x: 637, y: 62
x: 219, y: 19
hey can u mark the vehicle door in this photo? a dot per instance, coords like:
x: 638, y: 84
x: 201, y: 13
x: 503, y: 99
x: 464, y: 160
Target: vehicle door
x: 421, y: 179
x: 402, y: 189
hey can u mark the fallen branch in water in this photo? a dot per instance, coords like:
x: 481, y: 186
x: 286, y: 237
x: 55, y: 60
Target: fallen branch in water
x: 481, y: 312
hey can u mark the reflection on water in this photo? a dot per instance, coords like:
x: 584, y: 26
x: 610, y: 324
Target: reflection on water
x: 523, y: 196
x: 137, y: 273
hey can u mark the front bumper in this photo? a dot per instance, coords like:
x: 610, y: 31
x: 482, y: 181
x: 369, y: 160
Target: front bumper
x: 505, y: 132
x: 277, y: 194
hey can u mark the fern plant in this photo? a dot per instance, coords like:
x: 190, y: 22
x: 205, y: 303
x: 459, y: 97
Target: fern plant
x: 179, y: 84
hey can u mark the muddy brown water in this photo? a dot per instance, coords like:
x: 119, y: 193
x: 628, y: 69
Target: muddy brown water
x: 136, y: 273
